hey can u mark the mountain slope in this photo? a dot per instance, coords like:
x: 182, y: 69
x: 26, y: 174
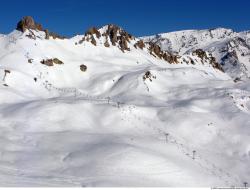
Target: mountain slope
x: 106, y: 109
x: 231, y: 49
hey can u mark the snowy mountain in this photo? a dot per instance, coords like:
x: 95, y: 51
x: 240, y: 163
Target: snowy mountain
x: 231, y: 49
x: 108, y: 109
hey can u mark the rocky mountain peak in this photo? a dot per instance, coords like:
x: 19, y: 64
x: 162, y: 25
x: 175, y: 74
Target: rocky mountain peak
x: 28, y: 22
x: 117, y: 35
x: 111, y: 34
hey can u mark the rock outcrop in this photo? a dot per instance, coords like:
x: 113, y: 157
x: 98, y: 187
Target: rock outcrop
x: 118, y: 36
x: 156, y: 51
x: 54, y: 35
x: 93, y: 31
x: 139, y: 44
x: 27, y: 23
x: 51, y: 62
x: 113, y: 35
x: 148, y: 76
x: 204, y: 57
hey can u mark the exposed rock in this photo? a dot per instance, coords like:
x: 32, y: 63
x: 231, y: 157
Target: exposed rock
x: 106, y: 44
x: 171, y: 58
x: 83, y: 68
x: 192, y: 61
x: 93, y: 41
x: 118, y: 36
x: 30, y: 60
x: 200, y: 53
x: 111, y: 33
x: 139, y: 44
x: 93, y: 31
x: 155, y: 50
x: 124, y: 44
x: 28, y: 22
x: 114, y: 34
x: 89, y: 36
x: 57, y: 61
x: 51, y: 62
x: 215, y: 64
x: 149, y: 76
x: 56, y: 36
x: 46, y: 34
x: 204, y: 57
x: 48, y: 62
x: 31, y: 35
x: 237, y: 79
x: 39, y: 27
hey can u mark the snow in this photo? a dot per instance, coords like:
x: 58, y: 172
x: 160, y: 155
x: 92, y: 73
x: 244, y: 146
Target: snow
x: 219, y: 42
x: 109, y: 127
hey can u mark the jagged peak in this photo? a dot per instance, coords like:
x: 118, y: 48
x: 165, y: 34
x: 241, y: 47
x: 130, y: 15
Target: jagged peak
x: 109, y: 28
x: 111, y: 34
x: 28, y: 23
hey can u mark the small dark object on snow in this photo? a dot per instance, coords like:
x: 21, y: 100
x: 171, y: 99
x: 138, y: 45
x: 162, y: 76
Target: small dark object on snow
x: 48, y: 62
x: 83, y: 68
x: 30, y: 60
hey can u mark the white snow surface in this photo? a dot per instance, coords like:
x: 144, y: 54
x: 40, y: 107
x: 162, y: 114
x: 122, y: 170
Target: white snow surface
x: 188, y: 127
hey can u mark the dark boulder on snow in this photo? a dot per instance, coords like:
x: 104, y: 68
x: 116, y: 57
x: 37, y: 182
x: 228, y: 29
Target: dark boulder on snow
x: 48, y: 62
x: 83, y: 68
x: 51, y: 62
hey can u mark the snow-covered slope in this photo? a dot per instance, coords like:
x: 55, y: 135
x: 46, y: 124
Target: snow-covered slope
x: 105, y: 109
x: 231, y: 49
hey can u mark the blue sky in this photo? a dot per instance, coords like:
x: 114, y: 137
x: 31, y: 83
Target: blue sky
x: 139, y: 17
